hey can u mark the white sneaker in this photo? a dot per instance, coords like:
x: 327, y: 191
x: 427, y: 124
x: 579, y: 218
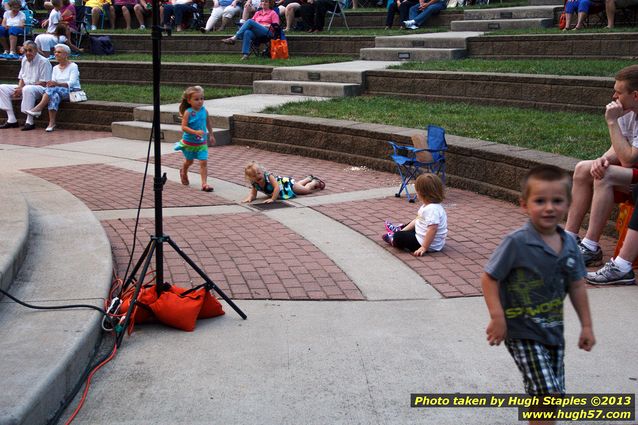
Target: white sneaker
x: 93, y: 28
x: 142, y: 27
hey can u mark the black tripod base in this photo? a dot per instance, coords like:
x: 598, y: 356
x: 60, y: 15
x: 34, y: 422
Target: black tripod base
x: 155, y: 245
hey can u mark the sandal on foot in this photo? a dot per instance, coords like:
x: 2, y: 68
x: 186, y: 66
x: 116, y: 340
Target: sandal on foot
x: 184, y: 177
x: 207, y: 188
x: 320, y: 183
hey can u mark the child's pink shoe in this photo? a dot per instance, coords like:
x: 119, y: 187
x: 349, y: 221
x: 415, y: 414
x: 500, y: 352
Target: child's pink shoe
x: 392, y: 228
x: 388, y: 238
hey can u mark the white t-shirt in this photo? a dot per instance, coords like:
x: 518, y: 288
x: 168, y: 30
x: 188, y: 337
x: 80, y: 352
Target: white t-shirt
x: 428, y: 215
x: 54, y: 20
x: 629, y: 127
x: 14, y: 21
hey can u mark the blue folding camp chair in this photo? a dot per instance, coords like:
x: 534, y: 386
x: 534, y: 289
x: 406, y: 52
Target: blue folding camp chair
x: 412, y: 160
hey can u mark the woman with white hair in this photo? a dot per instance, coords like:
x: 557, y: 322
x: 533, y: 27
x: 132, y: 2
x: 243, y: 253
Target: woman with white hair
x: 65, y: 78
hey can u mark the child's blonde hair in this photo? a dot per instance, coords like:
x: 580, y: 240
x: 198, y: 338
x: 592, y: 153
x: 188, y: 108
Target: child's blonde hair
x: 252, y: 169
x: 430, y: 187
x: 186, y: 97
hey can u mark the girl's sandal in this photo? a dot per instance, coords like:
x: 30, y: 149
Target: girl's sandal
x: 184, y: 177
x: 320, y: 183
x: 207, y: 188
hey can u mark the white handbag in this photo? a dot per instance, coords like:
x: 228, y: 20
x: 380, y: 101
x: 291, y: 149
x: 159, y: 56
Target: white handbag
x: 77, y: 96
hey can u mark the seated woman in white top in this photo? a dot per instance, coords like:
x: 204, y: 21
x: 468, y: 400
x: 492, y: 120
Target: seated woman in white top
x: 12, y: 26
x: 65, y: 78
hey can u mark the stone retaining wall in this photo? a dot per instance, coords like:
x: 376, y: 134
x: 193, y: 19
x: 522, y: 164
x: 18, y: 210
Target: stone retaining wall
x: 521, y: 90
x: 484, y: 167
x: 90, y: 115
x: 191, y: 44
x: 621, y: 45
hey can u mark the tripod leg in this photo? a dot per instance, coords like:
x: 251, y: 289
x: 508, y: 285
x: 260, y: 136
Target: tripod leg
x: 138, y: 286
x: 128, y: 281
x: 209, y: 283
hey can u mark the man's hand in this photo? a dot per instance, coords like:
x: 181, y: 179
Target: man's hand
x: 613, y: 111
x: 599, y: 167
x: 17, y: 93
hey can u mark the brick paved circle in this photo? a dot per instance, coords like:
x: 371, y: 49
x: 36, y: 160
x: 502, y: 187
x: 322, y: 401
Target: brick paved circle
x: 248, y: 255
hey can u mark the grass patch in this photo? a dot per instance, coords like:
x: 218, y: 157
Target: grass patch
x: 218, y: 58
x: 578, y: 135
x: 144, y: 93
x: 582, y: 67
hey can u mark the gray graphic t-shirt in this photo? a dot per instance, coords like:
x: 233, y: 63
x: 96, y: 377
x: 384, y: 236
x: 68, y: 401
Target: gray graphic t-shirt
x: 534, y: 281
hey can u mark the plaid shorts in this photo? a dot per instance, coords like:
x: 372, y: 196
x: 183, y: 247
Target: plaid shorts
x: 542, y: 366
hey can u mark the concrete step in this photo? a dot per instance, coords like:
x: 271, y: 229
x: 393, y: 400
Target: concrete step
x: 171, y: 133
x: 307, y: 88
x: 411, y: 54
x: 170, y: 115
x: 14, y: 230
x: 501, y: 24
x: 325, y: 76
x: 528, y: 12
x: 429, y: 41
x: 68, y: 261
x: 339, y: 72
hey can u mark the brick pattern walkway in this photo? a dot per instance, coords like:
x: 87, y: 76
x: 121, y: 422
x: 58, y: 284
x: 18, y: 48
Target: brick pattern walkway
x: 248, y: 255
x: 228, y: 163
x: 476, y: 225
x: 104, y: 187
x: 38, y: 138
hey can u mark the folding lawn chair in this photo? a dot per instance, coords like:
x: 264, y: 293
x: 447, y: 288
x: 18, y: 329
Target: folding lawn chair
x: 275, y: 33
x: 339, y: 10
x: 412, y: 160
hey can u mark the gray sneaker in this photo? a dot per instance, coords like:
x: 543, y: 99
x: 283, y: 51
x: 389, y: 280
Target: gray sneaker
x: 609, y: 274
x: 591, y: 258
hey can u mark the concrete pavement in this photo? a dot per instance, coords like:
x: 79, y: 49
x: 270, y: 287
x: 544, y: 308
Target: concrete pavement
x: 395, y: 325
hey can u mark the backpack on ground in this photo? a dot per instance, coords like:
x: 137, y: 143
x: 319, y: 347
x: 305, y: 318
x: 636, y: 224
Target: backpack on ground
x: 101, y: 45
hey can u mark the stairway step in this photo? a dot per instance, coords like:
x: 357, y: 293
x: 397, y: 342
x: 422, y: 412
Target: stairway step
x: 307, y: 88
x: 68, y: 261
x: 411, y: 54
x: 170, y: 115
x: 171, y: 133
x: 14, y: 231
x: 324, y: 76
x: 501, y: 24
x: 428, y: 41
x: 525, y: 12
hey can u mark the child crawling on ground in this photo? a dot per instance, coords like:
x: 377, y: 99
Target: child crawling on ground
x: 278, y: 187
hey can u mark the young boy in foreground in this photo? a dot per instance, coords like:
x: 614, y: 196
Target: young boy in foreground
x: 527, y: 279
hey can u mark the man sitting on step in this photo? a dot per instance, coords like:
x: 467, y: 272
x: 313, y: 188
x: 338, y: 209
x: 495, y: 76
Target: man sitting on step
x: 595, y: 181
x: 34, y: 73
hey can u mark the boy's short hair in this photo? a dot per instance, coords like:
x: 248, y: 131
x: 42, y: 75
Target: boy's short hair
x: 629, y: 74
x: 430, y: 187
x: 546, y: 173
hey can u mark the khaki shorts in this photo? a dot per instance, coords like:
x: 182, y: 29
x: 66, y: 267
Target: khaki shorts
x: 622, y: 4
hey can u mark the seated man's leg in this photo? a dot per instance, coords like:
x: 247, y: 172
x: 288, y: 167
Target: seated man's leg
x: 582, y: 192
x: 601, y: 206
x: 31, y: 94
x: 6, y: 91
x: 619, y: 270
